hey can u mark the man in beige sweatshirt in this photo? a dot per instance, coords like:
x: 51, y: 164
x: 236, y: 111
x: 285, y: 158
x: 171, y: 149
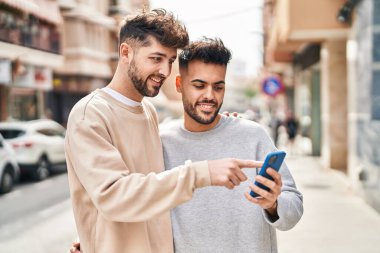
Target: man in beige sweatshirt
x: 121, y: 195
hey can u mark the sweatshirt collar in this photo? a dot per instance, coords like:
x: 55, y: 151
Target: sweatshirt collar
x: 133, y: 109
x: 221, y: 124
x: 120, y: 97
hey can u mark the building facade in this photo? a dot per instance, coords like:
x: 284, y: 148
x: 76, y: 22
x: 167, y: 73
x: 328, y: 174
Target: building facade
x: 30, y: 50
x: 90, y: 49
x: 54, y: 52
x: 363, y: 56
x: 329, y: 51
x: 86, y: 48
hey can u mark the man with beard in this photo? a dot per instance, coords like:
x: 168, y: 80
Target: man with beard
x: 120, y: 193
x: 215, y: 219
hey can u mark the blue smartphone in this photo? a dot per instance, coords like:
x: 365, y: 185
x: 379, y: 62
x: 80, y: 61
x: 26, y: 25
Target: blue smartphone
x: 272, y: 160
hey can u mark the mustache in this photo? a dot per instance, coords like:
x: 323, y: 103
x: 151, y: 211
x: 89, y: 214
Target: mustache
x: 208, y: 101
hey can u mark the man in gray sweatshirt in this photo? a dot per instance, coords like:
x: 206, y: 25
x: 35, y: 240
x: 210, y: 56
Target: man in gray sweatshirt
x: 218, y: 219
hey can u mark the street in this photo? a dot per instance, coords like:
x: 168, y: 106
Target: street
x: 28, y: 199
x: 28, y: 214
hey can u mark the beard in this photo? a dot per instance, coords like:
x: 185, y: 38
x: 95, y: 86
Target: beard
x: 140, y: 85
x: 191, y: 110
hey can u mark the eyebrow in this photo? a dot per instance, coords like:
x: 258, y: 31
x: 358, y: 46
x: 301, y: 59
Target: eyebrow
x: 159, y: 53
x: 198, y: 81
x: 163, y: 55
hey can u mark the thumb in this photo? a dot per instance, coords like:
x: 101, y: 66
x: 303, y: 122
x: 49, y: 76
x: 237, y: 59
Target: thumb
x: 249, y: 163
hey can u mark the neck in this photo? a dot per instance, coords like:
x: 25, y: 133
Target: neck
x: 123, y: 85
x: 194, y: 126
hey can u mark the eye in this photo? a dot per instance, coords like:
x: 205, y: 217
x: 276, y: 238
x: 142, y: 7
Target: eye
x: 156, y: 59
x: 219, y: 88
x: 199, y: 86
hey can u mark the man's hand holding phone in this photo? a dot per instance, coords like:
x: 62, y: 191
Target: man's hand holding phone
x: 268, y: 183
x: 268, y: 199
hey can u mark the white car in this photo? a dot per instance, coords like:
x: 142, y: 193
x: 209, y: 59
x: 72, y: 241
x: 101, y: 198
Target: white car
x: 9, y: 170
x: 39, y: 144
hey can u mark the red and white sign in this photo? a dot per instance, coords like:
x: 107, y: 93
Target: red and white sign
x: 35, y: 78
x: 43, y: 78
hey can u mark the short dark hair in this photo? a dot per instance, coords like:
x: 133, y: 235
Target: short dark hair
x: 207, y: 50
x: 160, y: 24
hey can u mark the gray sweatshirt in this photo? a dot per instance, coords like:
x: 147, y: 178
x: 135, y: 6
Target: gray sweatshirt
x: 217, y: 219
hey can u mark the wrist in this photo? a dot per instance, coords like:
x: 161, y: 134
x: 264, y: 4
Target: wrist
x: 274, y: 206
x: 273, y: 209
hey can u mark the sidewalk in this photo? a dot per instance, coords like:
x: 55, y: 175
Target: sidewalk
x: 54, y: 235
x: 335, y: 220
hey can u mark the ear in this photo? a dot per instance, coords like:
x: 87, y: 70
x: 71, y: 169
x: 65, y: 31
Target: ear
x: 125, y: 52
x: 178, y: 83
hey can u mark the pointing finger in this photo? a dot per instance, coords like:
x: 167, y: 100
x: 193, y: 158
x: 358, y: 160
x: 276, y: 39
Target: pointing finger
x: 249, y: 163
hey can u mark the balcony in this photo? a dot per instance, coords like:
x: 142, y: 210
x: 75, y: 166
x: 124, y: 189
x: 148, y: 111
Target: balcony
x: 29, y: 32
x: 297, y: 22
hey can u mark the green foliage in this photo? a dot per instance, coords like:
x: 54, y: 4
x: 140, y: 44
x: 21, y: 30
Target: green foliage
x: 250, y: 92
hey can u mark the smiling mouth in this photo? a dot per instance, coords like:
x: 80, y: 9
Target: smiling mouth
x: 157, y: 80
x: 207, y: 107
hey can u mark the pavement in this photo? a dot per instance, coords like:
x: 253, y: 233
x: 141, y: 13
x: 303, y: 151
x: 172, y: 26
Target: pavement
x: 54, y: 234
x: 335, y: 220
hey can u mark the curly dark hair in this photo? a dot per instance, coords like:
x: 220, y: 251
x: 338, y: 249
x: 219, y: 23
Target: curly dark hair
x: 158, y: 23
x: 207, y: 50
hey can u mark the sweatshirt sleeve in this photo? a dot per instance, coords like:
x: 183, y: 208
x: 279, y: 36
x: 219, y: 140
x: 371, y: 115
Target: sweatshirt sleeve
x: 290, y: 201
x: 119, y: 195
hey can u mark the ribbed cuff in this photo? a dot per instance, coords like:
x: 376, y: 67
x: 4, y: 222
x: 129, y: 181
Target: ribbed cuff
x: 202, y: 173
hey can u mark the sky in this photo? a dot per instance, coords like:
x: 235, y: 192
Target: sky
x: 238, y: 23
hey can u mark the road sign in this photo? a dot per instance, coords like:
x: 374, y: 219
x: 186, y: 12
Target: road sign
x: 272, y: 86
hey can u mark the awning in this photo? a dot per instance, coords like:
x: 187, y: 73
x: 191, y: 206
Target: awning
x: 22, y: 5
x: 30, y: 55
x: 43, y: 9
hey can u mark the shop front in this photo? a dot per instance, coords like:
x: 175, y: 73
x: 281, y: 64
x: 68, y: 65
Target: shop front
x: 26, y: 93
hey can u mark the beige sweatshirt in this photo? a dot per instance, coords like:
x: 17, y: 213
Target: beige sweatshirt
x: 120, y: 193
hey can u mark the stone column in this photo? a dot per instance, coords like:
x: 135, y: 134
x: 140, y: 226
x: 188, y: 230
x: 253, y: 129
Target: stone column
x: 334, y: 104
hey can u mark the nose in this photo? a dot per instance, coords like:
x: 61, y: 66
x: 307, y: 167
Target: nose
x: 209, y: 92
x: 165, y: 69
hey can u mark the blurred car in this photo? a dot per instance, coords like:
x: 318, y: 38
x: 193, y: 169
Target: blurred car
x: 9, y: 170
x: 39, y: 144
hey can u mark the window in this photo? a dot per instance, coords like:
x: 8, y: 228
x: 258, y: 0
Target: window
x: 11, y: 133
x: 376, y: 95
x: 47, y: 132
x: 51, y: 132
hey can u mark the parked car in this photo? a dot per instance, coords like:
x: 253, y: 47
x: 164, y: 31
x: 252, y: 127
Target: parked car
x: 9, y: 170
x: 39, y: 144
